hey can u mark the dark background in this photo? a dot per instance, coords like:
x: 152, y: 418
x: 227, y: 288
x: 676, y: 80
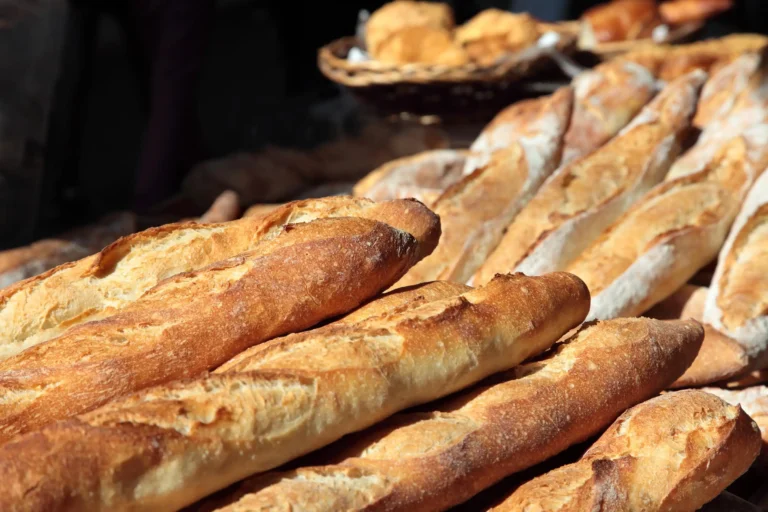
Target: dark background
x: 71, y: 112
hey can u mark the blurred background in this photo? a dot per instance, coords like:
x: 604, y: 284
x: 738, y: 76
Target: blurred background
x: 106, y: 105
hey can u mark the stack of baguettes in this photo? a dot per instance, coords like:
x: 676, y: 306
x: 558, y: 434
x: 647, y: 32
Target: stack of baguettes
x: 176, y: 363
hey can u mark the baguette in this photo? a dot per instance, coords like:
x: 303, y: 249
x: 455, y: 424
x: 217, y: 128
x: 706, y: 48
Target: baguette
x: 664, y: 239
x: 261, y: 210
x: 737, y: 108
x: 424, y: 176
x: 225, y: 208
x: 720, y: 357
x: 675, y: 452
x: 605, y: 100
x: 678, y: 12
x: 171, y: 445
x: 95, y: 287
x: 519, y: 120
x: 434, y: 460
x: 194, y: 322
x: 475, y: 211
x: 737, y: 303
x: 583, y: 198
x: 754, y: 401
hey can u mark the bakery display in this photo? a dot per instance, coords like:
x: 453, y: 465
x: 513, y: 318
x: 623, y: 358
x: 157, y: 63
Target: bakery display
x: 454, y: 334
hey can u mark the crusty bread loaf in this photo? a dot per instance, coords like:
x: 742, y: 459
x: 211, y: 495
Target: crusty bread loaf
x: 521, y: 119
x: 25, y: 262
x: 171, y: 445
x: 605, y: 100
x: 737, y: 101
x: 687, y: 302
x: 678, y: 12
x: 618, y: 20
x: 754, y: 401
x: 195, y: 321
x: 475, y: 211
x: 664, y: 239
x: 95, y: 287
x: 583, y: 198
x: 424, y: 176
x: 675, y: 452
x: 433, y: 460
x: 260, y: 210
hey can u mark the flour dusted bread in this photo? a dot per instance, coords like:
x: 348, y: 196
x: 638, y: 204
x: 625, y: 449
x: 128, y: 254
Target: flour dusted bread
x: 171, y: 445
x: 492, y: 33
x: 605, y: 100
x: 434, y: 460
x: 664, y: 239
x: 675, y: 452
x: 582, y: 199
x: 195, y: 321
x: 475, y: 211
x: 395, y: 17
x: 424, y: 176
x: 95, y: 287
x: 736, y: 102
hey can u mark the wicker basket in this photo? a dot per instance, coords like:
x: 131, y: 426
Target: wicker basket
x: 445, y: 91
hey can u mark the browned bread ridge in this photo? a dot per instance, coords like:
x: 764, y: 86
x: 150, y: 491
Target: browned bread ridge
x: 666, y: 237
x: 171, y: 445
x: 434, y: 460
x: 424, y: 176
x: 734, y: 102
x: 605, y: 100
x: 675, y: 452
x: 95, y: 287
x: 195, y: 321
x: 474, y: 212
x: 583, y: 198
x: 754, y: 401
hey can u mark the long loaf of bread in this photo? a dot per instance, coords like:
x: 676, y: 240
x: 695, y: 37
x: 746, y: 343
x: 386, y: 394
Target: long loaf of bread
x: 424, y: 176
x: 167, y: 447
x: 605, y: 98
x: 432, y: 461
x: 475, y: 211
x: 95, y: 287
x: 736, y: 100
x: 664, y: 239
x: 675, y: 452
x: 583, y: 198
x: 193, y: 322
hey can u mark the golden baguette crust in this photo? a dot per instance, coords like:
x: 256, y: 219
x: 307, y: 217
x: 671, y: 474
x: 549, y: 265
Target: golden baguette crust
x: 666, y: 237
x: 261, y: 210
x: 754, y: 401
x: 409, y: 296
x: 424, y: 176
x: 475, y: 211
x: 171, y: 445
x: 581, y: 199
x: 675, y: 452
x: 193, y: 322
x: 685, y: 303
x: 605, y: 100
x: 737, y: 303
x: 431, y: 461
x: 95, y: 287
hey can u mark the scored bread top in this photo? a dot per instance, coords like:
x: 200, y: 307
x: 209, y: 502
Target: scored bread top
x: 95, y: 287
x: 581, y: 199
x: 694, y: 202
x: 738, y: 301
x: 674, y: 452
x: 606, y: 98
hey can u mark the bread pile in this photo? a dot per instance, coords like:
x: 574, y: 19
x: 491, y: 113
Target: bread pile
x: 404, y: 32
x: 261, y: 363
